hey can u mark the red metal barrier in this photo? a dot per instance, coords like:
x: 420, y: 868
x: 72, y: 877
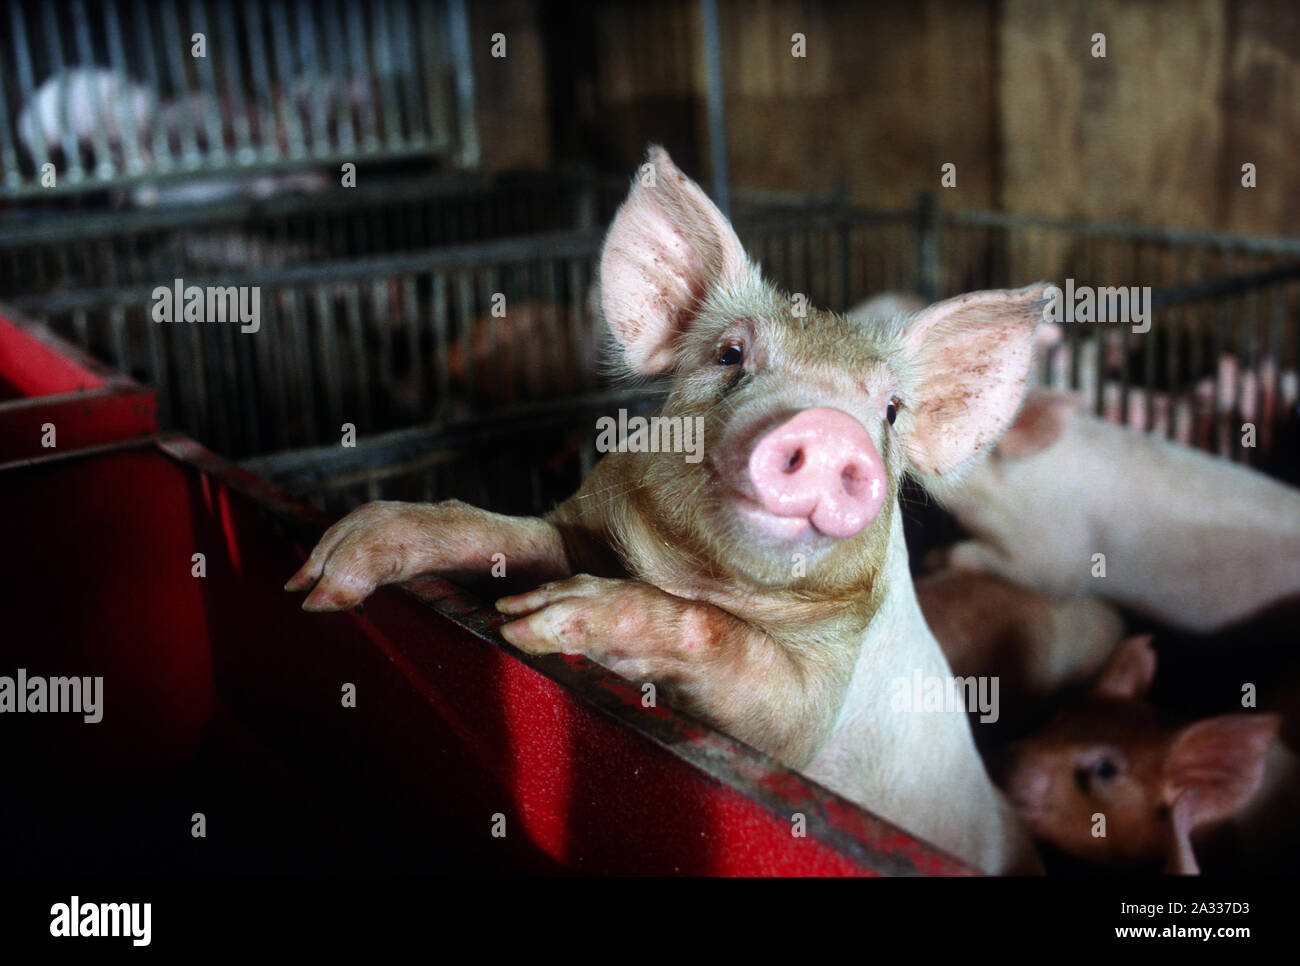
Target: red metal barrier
x: 222, y: 697
x: 45, y: 380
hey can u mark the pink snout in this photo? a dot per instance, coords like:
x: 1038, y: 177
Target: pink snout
x: 1027, y: 784
x: 820, y: 465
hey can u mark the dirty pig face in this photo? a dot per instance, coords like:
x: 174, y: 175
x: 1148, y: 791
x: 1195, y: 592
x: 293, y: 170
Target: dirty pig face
x: 809, y: 418
x: 800, y: 458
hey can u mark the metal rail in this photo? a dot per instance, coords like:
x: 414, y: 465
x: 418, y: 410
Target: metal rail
x: 406, y: 332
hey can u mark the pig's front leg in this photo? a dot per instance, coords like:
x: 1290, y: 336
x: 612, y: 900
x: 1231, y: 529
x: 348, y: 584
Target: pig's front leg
x: 388, y: 542
x: 711, y: 663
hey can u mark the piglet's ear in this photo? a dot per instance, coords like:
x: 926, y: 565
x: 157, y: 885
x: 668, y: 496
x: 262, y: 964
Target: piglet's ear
x: 1041, y: 422
x: 973, y: 354
x: 1128, y: 674
x: 1222, y: 758
x: 668, y: 247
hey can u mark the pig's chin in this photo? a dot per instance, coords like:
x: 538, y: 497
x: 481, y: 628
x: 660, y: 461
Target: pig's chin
x: 769, y: 525
x: 755, y: 526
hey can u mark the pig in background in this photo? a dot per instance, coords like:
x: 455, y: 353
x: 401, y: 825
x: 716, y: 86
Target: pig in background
x: 1188, y: 783
x: 535, y: 350
x: 92, y: 110
x: 116, y: 125
x: 1036, y: 647
x: 1190, y: 540
x: 886, y: 306
x: 765, y: 589
x: 1218, y: 793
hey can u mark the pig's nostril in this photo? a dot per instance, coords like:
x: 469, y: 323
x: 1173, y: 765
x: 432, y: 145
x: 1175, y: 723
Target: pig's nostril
x: 855, y: 480
x: 794, y: 461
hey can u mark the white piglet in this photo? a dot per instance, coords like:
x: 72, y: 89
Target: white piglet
x: 1071, y: 504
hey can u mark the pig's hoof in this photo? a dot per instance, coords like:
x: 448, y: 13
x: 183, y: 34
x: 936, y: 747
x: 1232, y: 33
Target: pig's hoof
x: 601, y: 618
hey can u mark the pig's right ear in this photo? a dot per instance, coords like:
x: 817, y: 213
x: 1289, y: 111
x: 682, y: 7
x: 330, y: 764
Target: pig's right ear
x: 1221, y: 758
x: 668, y: 247
x: 973, y: 354
x: 1129, y: 672
x: 1041, y: 422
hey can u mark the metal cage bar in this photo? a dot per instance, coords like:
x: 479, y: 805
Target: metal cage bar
x: 406, y: 331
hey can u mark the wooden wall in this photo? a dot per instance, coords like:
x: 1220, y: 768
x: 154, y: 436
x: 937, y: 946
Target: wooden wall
x: 1007, y: 90
x: 510, y: 92
x: 1136, y: 136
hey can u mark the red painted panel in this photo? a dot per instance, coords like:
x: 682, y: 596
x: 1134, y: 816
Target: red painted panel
x: 223, y: 697
x: 45, y: 380
x: 36, y: 365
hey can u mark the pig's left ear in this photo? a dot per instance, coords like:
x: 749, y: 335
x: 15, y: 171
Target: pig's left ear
x: 1223, y: 759
x: 669, y: 246
x: 973, y: 354
x: 1128, y: 674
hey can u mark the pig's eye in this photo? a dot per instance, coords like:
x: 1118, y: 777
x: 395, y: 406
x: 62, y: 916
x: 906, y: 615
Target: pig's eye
x: 891, y: 411
x: 1105, y: 769
x: 731, y: 354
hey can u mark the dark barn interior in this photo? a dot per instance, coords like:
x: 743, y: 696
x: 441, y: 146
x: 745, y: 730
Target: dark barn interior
x: 407, y: 199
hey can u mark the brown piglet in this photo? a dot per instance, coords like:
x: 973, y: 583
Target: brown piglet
x: 1109, y: 781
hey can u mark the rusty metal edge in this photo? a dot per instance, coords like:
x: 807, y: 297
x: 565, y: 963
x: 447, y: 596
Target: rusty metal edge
x: 79, y: 395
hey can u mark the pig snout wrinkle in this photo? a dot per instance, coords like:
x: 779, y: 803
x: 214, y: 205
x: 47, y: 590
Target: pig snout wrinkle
x: 820, y: 465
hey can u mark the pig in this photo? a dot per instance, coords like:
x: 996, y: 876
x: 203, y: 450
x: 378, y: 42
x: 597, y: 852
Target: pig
x: 1221, y: 785
x: 235, y: 249
x: 535, y: 350
x: 527, y: 353
x: 763, y: 587
x: 1191, y: 541
x: 1033, y: 645
x: 96, y: 101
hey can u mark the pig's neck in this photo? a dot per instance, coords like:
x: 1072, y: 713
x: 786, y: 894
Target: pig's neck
x: 916, y: 768
x: 798, y: 617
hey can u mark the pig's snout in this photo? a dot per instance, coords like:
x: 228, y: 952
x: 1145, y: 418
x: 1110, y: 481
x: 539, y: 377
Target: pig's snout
x: 1026, y: 783
x: 820, y: 465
